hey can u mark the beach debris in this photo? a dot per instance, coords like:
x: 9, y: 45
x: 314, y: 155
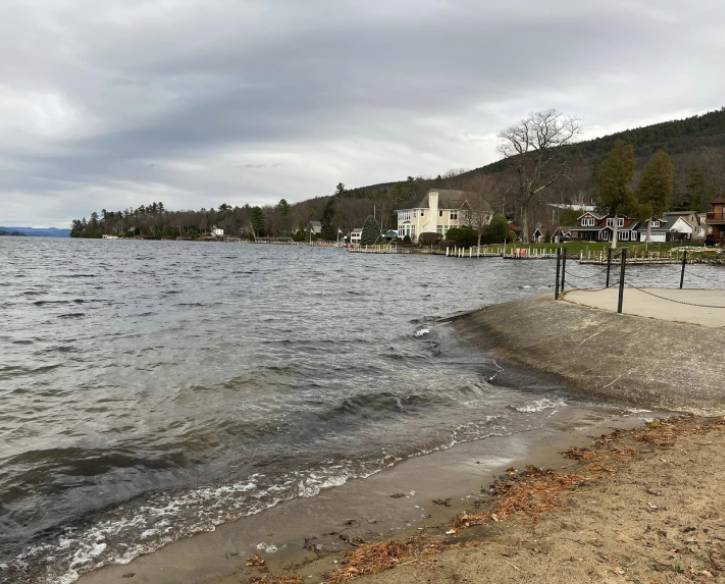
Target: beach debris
x: 422, y: 332
x: 256, y: 561
x: 277, y: 580
x: 373, y: 558
x: 530, y: 492
x: 351, y: 540
x: 267, y: 548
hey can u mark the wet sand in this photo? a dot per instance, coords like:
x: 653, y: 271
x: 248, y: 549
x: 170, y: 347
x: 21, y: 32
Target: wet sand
x: 657, y: 518
x: 649, y: 508
x: 311, y: 534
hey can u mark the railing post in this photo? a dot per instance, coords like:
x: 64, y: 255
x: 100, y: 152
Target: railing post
x: 682, y: 275
x: 609, y: 265
x: 621, y: 280
x: 563, y: 271
x: 558, y: 270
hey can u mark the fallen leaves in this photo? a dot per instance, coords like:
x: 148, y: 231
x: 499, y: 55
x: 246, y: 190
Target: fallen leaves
x: 373, y: 558
x: 530, y: 492
x: 256, y: 561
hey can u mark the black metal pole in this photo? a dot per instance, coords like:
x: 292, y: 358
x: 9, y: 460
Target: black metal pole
x: 682, y: 275
x: 563, y: 271
x: 609, y: 265
x: 621, y: 280
x: 558, y: 270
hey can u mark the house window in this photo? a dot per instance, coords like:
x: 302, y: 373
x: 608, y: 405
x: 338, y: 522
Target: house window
x: 404, y: 217
x: 440, y: 213
x: 422, y: 213
x: 454, y: 215
x: 655, y: 224
x: 624, y: 235
x: 620, y: 222
x: 588, y: 222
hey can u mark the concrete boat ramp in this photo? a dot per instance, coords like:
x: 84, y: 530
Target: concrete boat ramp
x: 703, y: 307
x: 664, y: 351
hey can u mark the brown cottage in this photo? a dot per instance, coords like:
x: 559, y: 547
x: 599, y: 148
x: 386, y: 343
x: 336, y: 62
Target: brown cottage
x: 716, y: 220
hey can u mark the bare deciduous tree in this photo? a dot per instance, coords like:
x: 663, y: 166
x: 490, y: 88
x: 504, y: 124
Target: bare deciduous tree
x: 531, y: 146
x: 477, y: 215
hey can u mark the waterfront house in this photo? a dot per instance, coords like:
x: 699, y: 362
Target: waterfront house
x: 440, y: 210
x: 217, y: 232
x: 356, y: 236
x: 716, y: 221
x: 592, y: 226
x: 683, y: 220
x: 315, y: 227
x: 659, y: 230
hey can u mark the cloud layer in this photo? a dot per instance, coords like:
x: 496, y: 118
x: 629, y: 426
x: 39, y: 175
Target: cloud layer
x: 197, y: 102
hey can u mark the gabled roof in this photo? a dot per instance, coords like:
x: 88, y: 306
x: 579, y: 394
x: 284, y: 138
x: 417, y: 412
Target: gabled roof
x: 593, y: 214
x: 664, y: 224
x: 685, y: 221
x: 453, y: 199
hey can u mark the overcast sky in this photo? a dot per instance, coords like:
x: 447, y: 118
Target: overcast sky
x: 117, y: 103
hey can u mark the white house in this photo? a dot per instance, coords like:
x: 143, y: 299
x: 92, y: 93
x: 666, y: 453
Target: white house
x: 658, y: 232
x: 315, y: 227
x: 441, y: 210
x: 695, y: 221
x: 356, y: 235
x: 217, y: 232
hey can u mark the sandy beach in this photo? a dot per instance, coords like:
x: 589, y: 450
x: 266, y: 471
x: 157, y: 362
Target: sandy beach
x: 637, y: 505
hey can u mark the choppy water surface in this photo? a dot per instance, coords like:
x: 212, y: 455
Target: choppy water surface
x: 152, y: 390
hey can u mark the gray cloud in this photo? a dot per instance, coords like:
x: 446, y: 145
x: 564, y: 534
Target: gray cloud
x: 197, y: 102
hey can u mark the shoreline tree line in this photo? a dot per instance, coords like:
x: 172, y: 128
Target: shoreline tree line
x: 542, y: 164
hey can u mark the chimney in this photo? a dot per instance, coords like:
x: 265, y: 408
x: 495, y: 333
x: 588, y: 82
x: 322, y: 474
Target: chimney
x: 433, y: 204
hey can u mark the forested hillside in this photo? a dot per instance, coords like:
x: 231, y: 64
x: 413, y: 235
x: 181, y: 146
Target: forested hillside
x: 696, y: 145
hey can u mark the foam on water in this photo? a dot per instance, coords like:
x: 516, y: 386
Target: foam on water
x: 153, y: 390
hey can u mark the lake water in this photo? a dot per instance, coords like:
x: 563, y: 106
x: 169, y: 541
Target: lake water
x: 153, y: 390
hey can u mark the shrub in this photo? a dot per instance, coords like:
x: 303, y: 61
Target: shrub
x: 497, y: 231
x: 462, y: 236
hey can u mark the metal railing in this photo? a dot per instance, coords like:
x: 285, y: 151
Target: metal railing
x: 579, y: 276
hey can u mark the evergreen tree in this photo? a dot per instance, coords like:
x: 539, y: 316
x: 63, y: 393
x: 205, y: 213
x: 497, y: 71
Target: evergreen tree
x: 328, y: 214
x: 283, y: 207
x: 655, y: 188
x: 258, y: 224
x: 371, y: 232
x: 615, y: 179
